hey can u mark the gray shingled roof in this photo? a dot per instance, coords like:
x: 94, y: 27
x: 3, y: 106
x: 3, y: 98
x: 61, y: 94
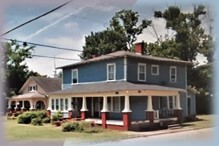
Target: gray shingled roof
x: 47, y: 84
x: 112, y: 87
x: 127, y: 54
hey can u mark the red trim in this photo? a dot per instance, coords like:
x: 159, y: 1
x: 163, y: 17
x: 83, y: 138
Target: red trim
x: 83, y: 115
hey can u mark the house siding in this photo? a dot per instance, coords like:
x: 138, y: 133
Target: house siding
x: 193, y: 102
x: 162, y: 78
x: 138, y: 105
x: 93, y: 72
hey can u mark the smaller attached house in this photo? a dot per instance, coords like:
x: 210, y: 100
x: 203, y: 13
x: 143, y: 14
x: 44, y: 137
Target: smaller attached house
x: 34, y: 94
x: 123, y: 89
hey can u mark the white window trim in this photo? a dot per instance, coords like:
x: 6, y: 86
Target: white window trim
x: 107, y: 74
x: 158, y: 70
x: 145, y: 69
x: 72, y: 76
x: 171, y: 67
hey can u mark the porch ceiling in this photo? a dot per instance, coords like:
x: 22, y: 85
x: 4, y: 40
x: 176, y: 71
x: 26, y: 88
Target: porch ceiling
x: 107, y: 87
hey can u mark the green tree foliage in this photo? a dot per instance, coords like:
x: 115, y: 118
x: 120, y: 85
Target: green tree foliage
x: 120, y: 35
x: 16, y: 69
x: 190, y: 38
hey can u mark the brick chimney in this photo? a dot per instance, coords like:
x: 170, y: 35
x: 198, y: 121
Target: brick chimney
x: 139, y: 48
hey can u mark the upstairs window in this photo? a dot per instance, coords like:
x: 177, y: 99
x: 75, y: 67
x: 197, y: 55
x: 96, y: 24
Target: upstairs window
x: 141, y: 72
x: 74, y: 76
x: 155, y: 69
x: 32, y: 88
x: 111, y: 71
x: 173, y: 74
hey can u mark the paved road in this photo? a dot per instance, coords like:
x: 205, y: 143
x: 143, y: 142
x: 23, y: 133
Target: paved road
x: 186, y: 138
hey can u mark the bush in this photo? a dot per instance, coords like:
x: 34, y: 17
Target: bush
x: 27, y: 117
x: 41, y: 114
x: 23, y: 119
x: 46, y: 120
x: 36, y: 121
x: 80, y: 127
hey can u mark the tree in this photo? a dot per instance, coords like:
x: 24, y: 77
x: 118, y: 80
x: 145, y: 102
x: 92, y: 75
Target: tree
x: 190, y: 38
x: 16, y: 69
x: 120, y: 35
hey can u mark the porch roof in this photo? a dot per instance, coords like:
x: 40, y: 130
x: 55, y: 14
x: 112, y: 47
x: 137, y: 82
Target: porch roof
x: 113, y: 87
x: 29, y: 95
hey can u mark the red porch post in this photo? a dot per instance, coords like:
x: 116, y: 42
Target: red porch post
x: 104, y: 112
x: 104, y: 118
x: 127, y: 120
x: 84, y: 109
x: 69, y: 114
x: 127, y: 113
x: 179, y: 114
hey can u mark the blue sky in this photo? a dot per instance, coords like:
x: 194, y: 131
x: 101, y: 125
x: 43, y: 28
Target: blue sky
x: 68, y: 26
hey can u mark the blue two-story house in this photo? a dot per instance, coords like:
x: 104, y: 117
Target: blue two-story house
x: 124, y: 89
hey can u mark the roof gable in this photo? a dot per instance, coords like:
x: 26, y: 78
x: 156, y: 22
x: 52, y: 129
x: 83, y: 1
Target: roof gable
x: 47, y: 84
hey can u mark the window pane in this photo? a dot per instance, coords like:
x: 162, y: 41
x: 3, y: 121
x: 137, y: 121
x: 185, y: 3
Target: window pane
x: 142, y: 69
x: 142, y: 76
x: 116, y: 104
x: 53, y: 104
x: 61, y: 104
x: 75, y: 76
x: 111, y: 73
x: 66, y: 104
x: 57, y: 104
x: 154, y: 70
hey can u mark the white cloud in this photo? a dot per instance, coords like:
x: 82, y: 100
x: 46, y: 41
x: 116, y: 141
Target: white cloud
x: 71, y: 25
x: 68, y: 42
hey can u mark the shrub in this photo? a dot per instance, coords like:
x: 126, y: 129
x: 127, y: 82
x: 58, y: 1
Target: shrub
x: 23, y: 119
x: 46, y: 120
x: 41, y: 114
x: 80, y: 127
x: 36, y: 121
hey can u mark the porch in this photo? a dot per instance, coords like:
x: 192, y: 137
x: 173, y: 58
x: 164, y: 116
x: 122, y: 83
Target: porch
x: 119, y: 109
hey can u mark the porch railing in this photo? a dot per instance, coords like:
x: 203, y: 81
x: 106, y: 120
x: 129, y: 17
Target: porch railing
x: 166, y: 113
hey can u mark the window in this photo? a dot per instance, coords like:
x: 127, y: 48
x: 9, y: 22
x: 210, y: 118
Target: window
x: 66, y: 104
x: 173, y: 74
x: 155, y: 69
x: 170, y: 102
x: 57, y: 104
x: 111, y: 71
x: 142, y: 72
x: 61, y: 104
x: 32, y: 88
x: 114, y: 104
x: 74, y: 76
x: 53, y: 105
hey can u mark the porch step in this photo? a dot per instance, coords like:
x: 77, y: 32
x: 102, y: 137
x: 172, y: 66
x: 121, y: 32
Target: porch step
x: 174, y: 126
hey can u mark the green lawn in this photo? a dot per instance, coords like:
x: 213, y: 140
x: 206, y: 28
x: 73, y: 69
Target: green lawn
x: 204, y: 121
x: 16, y: 131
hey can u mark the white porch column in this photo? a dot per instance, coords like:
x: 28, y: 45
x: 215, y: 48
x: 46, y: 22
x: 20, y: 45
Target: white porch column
x: 84, y: 105
x: 105, y: 105
x: 126, y: 105
x: 49, y: 104
x: 178, y: 102
x: 69, y: 104
x: 149, y: 104
x: 9, y: 104
x: 31, y: 105
x: 16, y: 103
x: 23, y: 105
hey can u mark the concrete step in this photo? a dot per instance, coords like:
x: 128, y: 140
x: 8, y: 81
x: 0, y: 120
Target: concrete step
x: 174, y: 126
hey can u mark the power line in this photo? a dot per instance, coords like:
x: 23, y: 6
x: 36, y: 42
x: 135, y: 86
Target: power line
x: 33, y: 19
x: 43, y: 56
x: 43, y: 45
